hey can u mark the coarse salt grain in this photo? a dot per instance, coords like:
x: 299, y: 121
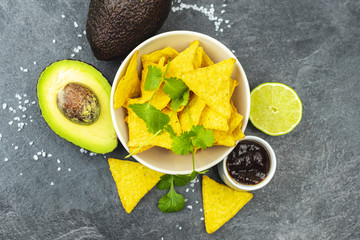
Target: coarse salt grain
x: 62, y: 15
x: 26, y: 101
x: 202, y: 218
x: 6, y: 159
x: 4, y: 105
x: 59, y: 169
x: 52, y: 183
x: 54, y: 41
x: 25, y: 70
x: 189, y: 207
x: 21, y: 174
x: 38, y: 153
x: 16, y: 147
x: 35, y: 157
x: 187, y: 190
x: 76, y: 24
x: 58, y: 160
x: 79, y: 35
x: 11, y: 123
x: 31, y: 143
x: 34, y: 62
x: 201, y: 209
x: 69, y: 169
x: 49, y: 155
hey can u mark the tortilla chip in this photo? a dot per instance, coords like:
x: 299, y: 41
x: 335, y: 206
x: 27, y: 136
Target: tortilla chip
x: 224, y: 138
x: 206, y: 61
x: 213, y: 85
x: 195, y: 106
x: 183, y: 62
x: 235, y: 118
x: 220, y: 203
x: 212, y: 120
x: 133, y: 181
x: 129, y: 85
x: 142, y: 149
x: 154, y: 57
x: 198, y: 58
x: 233, y: 85
x: 161, y: 99
x: 138, y: 133
x: 237, y: 133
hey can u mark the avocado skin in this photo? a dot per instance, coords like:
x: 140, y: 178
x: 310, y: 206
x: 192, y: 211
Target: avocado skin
x: 115, y: 27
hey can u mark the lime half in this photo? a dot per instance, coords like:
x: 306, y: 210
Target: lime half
x: 275, y: 109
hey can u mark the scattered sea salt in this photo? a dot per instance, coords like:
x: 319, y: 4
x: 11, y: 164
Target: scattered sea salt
x: 58, y: 161
x: 11, y: 123
x: 26, y: 101
x: 69, y: 169
x: 59, y: 168
x: 4, y: 105
x: 62, y: 15
x: 25, y: 70
x: 33, y: 102
x: 38, y: 153
x: 189, y: 207
x: 20, y: 174
x: 180, y: 228
x: 21, y: 69
x: 16, y: 147
x: 72, y: 55
x: 79, y: 35
x: 84, y: 32
x: 16, y: 118
x: 209, y: 12
x: 35, y: 157
x: 52, y: 183
x: 6, y: 159
x: 54, y: 41
x: 201, y: 209
x: 31, y: 143
x: 18, y: 96
x: 43, y: 154
x: 76, y: 24
x: 0, y: 136
x: 34, y: 62
x: 187, y: 190
x: 193, y: 190
x: 49, y: 155
x: 196, y: 202
x: 202, y: 218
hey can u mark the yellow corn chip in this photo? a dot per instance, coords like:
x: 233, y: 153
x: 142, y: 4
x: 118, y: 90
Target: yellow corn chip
x: 154, y: 57
x: 224, y: 138
x: 235, y: 118
x: 212, y: 84
x: 142, y: 149
x: 198, y: 58
x: 133, y: 181
x: 206, y: 61
x: 195, y: 106
x: 237, y: 133
x: 138, y: 133
x: 220, y: 203
x: 212, y: 120
x: 129, y: 85
x: 233, y: 85
x: 183, y: 62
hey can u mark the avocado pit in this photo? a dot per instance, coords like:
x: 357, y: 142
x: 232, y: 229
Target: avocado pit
x: 78, y: 103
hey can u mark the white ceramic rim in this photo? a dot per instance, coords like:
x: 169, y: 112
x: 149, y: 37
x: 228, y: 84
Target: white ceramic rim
x: 268, y: 177
x: 122, y: 66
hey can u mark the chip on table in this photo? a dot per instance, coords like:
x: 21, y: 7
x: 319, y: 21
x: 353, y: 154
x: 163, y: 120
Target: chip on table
x: 220, y: 203
x: 133, y: 180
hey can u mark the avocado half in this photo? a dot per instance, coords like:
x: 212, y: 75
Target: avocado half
x: 96, y: 135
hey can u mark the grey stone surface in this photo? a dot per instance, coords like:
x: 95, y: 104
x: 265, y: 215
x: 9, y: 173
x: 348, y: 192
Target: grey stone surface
x: 312, y: 46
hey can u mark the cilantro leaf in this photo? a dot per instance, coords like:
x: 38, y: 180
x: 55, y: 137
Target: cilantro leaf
x: 170, y: 130
x: 155, y: 120
x: 153, y: 78
x: 201, y: 137
x: 182, y: 144
x: 174, y: 87
x: 181, y: 101
x: 171, y: 202
x: 165, y: 182
x: 181, y: 180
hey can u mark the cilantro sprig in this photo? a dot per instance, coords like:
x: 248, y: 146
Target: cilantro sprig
x: 187, y: 142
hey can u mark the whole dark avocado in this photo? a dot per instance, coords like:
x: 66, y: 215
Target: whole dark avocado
x: 115, y: 27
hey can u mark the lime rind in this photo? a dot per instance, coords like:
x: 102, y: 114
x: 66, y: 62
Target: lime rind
x: 268, y: 101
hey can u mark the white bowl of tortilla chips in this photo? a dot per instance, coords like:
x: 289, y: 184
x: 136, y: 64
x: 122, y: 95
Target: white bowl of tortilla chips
x: 217, y: 101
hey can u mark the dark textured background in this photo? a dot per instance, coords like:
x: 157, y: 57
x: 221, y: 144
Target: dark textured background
x: 312, y: 46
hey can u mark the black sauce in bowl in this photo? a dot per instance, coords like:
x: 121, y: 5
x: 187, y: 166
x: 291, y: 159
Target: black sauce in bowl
x: 248, y: 163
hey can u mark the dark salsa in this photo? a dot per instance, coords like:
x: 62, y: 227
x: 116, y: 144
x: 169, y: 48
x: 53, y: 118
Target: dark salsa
x: 248, y: 163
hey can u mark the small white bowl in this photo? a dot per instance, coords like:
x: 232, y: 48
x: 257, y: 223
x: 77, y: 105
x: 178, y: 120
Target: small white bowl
x: 163, y: 160
x: 228, y: 180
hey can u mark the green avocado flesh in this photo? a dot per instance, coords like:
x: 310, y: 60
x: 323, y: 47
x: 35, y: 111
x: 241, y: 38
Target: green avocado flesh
x: 74, y: 99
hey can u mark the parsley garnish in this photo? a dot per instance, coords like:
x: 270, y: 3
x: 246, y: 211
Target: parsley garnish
x: 185, y: 143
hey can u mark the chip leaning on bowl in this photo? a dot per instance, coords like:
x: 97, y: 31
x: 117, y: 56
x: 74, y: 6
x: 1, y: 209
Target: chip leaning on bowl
x: 210, y: 104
